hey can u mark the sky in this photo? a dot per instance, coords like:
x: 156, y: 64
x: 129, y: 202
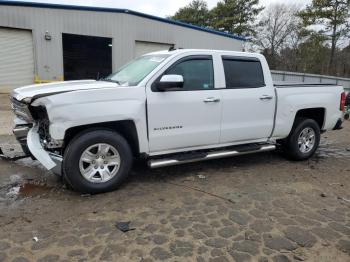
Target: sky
x: 160, y: 8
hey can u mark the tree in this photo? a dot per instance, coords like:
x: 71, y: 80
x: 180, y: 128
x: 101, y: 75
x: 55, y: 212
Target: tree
x: 196, y: 13
x: 277, y: 28
x: 235, y: 16
x: 343, y: 59
x: 313, y: 54
x: 329, y: 18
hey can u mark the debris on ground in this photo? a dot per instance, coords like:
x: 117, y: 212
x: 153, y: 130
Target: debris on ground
x: 201, y: 177
x: 344, y: 199
x: 298, y: 258
x: 85, y: 195
x: 124, y: 226
x: 13, y: 192
x: 35, y: 239
x: 5, y: 157
x: 188, y: 179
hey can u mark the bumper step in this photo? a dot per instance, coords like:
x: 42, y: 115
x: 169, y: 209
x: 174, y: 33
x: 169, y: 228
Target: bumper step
x: 203, y: 156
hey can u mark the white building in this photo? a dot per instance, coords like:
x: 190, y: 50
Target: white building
x: 47, y: 42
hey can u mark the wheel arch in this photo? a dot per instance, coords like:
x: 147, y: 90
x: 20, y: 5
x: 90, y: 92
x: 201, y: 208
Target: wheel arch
x: 125, y: 128
x: 318, y: 114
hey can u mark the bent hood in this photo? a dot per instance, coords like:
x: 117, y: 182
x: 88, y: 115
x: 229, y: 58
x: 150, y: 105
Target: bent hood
x: 34, y: 91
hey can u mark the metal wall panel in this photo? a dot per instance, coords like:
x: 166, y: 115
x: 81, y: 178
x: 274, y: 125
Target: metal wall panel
x: 142, y: 47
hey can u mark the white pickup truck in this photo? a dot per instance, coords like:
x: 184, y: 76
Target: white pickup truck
x: 170, y: 107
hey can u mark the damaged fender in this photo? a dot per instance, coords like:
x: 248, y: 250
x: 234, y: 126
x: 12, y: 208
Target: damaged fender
x: 50, y: 161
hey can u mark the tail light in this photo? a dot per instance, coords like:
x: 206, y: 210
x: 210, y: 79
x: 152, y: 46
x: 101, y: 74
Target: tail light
x: 342, y: 101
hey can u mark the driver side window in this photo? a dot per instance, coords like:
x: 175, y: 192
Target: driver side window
x: 197, y: 72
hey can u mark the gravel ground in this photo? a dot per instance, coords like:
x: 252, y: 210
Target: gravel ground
x: 258, y: 207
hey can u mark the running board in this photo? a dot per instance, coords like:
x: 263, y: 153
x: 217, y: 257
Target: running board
x: 202, y: 156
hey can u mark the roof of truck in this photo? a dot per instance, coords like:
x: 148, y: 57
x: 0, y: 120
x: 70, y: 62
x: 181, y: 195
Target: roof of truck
x: 184, y: 50
x: 228, y: 52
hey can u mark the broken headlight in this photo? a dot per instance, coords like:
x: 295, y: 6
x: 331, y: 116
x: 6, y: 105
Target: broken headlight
x: 21, y: 111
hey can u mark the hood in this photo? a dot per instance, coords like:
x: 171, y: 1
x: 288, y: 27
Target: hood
x: 34, y: 91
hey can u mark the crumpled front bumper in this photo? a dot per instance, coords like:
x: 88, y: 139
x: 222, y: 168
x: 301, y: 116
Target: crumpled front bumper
x: 29, y: 139
x: 21, y: 133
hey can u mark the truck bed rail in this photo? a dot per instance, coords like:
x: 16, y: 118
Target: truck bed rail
x: 289, y: 85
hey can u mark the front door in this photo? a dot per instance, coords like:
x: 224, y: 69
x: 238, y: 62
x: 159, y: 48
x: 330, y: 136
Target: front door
x: 189, y: 116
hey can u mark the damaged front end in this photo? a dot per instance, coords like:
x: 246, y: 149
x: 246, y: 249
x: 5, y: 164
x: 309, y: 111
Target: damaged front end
x: 32, y: 132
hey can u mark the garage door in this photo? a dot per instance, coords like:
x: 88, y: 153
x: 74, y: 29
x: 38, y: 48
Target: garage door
x: 142, y: 48
x: 16, y: 59
x: 86, y: 57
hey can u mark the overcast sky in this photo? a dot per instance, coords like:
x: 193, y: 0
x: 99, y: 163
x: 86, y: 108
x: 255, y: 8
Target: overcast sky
x: 155, y: 7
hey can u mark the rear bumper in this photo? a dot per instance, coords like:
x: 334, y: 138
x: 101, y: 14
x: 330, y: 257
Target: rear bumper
x: 29, y: 139
x: 338, y: 125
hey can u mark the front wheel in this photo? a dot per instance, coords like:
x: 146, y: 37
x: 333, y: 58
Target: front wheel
x: 97, y: 161
x: 303, y: 140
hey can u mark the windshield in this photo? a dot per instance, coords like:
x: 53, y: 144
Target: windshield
x: 134, y: 72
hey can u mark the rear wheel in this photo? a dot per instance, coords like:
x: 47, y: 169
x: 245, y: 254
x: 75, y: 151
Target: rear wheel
x: 303, y: 140
x: 97, y: 161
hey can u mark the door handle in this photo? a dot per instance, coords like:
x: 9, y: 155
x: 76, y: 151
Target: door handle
x: 211, y: 100
x: 266, y: 97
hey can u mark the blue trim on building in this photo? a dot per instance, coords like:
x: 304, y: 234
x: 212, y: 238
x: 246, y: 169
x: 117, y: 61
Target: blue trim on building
x: 117, y: 10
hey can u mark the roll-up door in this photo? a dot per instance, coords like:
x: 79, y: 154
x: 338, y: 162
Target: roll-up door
x: 16, y: 59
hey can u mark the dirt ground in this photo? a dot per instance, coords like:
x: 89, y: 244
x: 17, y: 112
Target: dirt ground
x: 258, y: 207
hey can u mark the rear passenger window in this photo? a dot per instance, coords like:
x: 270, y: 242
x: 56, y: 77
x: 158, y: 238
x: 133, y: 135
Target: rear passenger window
x: 243, y: 72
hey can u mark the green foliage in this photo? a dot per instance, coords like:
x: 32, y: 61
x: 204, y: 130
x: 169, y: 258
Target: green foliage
x: 328, y: 14
x: 328, y: 18
x: 343, y: 59
x: 314, y: 55
x: 235, y: 16
x: 196, y: 13
x: 231, y: 16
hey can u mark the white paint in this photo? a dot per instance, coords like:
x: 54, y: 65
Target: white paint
x: 36, y: 149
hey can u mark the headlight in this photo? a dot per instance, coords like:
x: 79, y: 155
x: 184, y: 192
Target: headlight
x: 21, y: 110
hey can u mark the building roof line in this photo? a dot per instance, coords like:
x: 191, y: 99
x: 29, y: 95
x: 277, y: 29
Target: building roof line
x: 118, y: 10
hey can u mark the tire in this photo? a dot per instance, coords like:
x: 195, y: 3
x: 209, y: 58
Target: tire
x: 92, y: 143
x: 297, y: 150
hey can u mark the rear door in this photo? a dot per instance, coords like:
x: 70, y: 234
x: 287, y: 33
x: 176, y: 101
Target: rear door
x: 189, y: 117
x: 248, y: 104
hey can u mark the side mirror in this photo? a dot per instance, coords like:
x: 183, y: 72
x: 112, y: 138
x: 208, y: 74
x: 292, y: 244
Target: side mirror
x: 168, y: 82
